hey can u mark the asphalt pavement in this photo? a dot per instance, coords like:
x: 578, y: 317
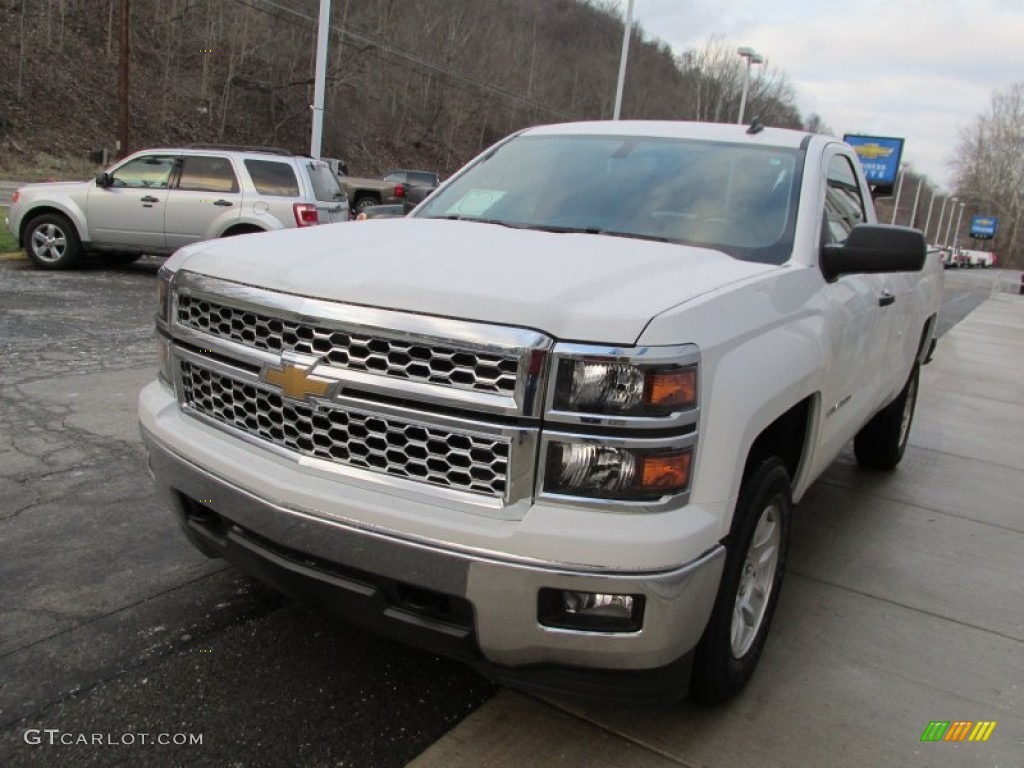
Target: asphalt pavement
x: 902, y: 601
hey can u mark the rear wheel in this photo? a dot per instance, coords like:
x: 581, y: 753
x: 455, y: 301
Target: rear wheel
x: 755, y: 562
x: 52, y: 242
x: 366, y: 201
x: 881, y: 442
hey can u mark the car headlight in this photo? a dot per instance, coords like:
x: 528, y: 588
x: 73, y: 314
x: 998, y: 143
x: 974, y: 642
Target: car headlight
x: 163, y: 320
x: 643, y: 382
x: 604, y: 470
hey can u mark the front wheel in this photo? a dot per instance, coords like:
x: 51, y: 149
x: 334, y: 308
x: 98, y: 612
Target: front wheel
x: 52, y: 242
x: 755, y: 562
x: 881, y: 442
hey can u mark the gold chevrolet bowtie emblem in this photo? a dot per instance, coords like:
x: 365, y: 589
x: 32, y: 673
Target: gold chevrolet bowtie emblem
x: 296, y: 382
x: 873, y: 151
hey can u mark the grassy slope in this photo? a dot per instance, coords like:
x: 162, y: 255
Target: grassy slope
x: 6, y: 238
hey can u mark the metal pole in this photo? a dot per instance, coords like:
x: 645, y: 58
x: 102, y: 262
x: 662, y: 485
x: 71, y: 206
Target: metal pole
x: 322, y: 35
x: 746, y: 87
x: 626, y: 35
x: 917, y: 199
x: 123, y: 129
x: 956, y: 232
x: 949, y: 224
x: 928, y: 218
x: 942, y: 214
x: 899, y: 191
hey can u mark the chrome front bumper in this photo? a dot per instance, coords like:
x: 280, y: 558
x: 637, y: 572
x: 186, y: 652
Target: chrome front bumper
x: 310, y: 556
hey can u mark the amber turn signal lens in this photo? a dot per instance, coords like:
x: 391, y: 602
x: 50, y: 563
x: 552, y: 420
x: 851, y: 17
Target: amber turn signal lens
x: 671, y: 389
x: 669, y: 472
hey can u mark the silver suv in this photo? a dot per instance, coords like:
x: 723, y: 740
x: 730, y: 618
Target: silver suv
x: 157, y: 200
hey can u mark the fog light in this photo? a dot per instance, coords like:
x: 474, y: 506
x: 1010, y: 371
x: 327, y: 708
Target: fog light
x: 590, y: 611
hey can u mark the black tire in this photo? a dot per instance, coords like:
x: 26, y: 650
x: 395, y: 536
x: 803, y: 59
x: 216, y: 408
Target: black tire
x: 881, y: 442
x: 366, y: 201
x: 731, y: 646
x: 51, y: 241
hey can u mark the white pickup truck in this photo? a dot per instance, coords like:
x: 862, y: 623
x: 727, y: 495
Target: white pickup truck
x: 554, y: 422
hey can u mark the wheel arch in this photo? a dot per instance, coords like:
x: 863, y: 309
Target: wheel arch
x: 71, y: 213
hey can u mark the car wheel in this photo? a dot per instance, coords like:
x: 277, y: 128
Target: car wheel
x: 52, y: 242
x: 755, y: 561
x: 881, y: 442
x: 366, y: 202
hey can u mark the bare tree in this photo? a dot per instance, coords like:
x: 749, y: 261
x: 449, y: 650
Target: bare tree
x: 989, y: 169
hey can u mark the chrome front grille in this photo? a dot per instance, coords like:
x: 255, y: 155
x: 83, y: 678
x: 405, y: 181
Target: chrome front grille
x: 426, y: 362
x: 439, y: 456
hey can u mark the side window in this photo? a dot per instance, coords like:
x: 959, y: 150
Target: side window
x: 844, y: 206
x: 207, y: 174
x: 149, y: 172
x: 271, y: 177
x: 395, y: 177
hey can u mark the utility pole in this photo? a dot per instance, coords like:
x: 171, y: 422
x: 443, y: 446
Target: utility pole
x: 322, y: 35
x: 928, y: 218
x: 622, y: 60
x: 122, y: 82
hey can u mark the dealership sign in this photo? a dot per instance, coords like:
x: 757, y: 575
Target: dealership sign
x: 879, y: 157
x: 983, y: 227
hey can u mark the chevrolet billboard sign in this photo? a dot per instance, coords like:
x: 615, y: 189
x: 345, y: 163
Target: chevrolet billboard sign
x: 879, y: 157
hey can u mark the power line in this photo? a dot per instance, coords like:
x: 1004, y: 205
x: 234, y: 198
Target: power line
x: 389, y: 54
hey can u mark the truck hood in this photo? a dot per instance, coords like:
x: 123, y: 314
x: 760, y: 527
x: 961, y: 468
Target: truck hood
x: 577, y: 287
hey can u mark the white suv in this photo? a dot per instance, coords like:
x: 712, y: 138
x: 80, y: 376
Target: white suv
x: 157, y: 200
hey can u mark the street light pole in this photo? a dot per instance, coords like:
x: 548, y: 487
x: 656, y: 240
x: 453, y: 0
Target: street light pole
x: 942, y: 215
x: 959, y: 218
x: 323, y: 33
x: 626, y: 35
x: 899, y: 191
x: 928, y: 218
x: 752, y: 57
x: 949, y: 225
x: 917, y: 199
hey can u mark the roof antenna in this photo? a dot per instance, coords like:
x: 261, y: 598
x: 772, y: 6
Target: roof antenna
x: 756, y: 126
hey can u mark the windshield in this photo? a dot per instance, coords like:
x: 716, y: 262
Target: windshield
x: 737, y: 199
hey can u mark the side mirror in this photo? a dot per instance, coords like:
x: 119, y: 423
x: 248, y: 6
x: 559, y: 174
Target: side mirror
x: 875, y: 248
x: 104, y: 180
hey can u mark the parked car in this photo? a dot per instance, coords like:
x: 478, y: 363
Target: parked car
x: 427, y: 179
x: 158, y: 200
x: 382, y: 212
x: 363, y: 192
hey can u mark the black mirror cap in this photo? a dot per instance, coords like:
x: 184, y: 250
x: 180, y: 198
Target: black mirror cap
x: 103, y: 180
x: 873, y: 249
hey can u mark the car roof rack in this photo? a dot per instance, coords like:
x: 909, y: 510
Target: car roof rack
x: 243, y: 148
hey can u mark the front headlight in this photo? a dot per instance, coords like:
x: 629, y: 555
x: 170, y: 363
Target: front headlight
x: 608, y: 471
x: 163, y: 320
x: 163, y: 297
x: 636, y: 383
x: 626, y: 389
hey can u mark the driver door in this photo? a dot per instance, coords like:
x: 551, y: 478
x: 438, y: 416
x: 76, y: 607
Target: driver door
x: 130, y: 211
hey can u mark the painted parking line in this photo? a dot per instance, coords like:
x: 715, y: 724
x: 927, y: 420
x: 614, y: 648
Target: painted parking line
x: 12, y: 256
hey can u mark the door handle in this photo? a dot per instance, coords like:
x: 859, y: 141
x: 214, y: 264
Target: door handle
x: 886, y: 299
x: 150, y: 199
x: 222, y: 202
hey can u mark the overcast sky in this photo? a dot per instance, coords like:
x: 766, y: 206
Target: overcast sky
x: 917, y: 69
